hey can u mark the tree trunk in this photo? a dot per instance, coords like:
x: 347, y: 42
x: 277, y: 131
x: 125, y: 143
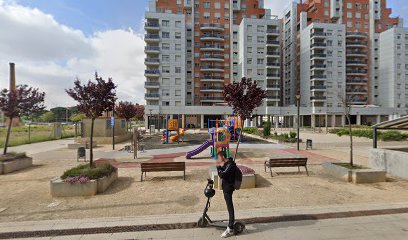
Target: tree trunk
x: 91, y: 144
x: 239, y: 140
x: 8, y: 136
x: 351, y: 139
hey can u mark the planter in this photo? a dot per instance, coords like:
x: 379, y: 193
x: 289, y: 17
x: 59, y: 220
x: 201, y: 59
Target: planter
x: 393, y: 161
x: 248, y: 180
x: 59, y: 188
x: 355, y: 176
x: 15, y: 164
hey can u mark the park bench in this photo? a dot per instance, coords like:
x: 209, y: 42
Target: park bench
x: 286, y: 162
x: 163, y: 167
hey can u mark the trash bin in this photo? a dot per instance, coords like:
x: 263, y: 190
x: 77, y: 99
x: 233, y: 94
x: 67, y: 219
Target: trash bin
x: 309, y: 144
x: 81, y: 153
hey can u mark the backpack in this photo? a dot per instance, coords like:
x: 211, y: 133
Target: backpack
x: 238, y: 178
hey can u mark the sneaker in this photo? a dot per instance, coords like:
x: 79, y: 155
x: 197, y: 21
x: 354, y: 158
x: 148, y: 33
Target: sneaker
x: 228, y: 233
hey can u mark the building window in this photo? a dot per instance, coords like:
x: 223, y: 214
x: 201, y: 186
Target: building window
x: 165, y: 23
x: 178, y: 81
x: 165, y: 35
x: 178, y: 24
x: 177, y: 46
x: 165, y: 46
x: 177, y: 93
x: 349, y: 5
x: 207, y: 5
x: 178, y: 35
x: 165, y: 58
x: 217, y: 5
x: 177, y: 69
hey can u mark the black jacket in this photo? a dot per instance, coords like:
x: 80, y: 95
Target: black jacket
x: 227, y: 174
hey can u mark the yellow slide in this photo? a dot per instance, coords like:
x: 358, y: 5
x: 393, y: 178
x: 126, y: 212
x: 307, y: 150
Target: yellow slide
x: 175, y: 137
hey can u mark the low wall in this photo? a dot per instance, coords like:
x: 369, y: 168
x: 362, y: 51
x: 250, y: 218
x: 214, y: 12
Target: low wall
x: 355, y: 176
x: 15, y: 165
x: 394, y: 162
x: 248, y: 180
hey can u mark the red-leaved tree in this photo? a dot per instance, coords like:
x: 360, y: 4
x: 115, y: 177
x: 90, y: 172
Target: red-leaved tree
x: 140, y: 109
x: 243, y: 97
x: 126, y: 110
x: 94, y: 98
x: 23, y: 101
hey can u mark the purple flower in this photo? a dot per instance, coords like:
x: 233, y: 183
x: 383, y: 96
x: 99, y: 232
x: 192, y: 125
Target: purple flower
x: 77, y: 179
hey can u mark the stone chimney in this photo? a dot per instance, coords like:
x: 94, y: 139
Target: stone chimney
x: 12, y: 76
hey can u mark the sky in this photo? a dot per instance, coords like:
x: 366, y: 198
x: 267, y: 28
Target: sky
x: 53, y: 42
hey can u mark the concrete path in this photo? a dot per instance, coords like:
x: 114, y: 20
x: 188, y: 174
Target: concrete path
x: 40, y: 147
x: 380, y: 221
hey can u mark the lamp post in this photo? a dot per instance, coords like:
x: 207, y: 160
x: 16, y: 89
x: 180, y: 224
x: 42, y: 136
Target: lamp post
x: 298, y: 120
x: 148, y: 121
x: 113, y: 126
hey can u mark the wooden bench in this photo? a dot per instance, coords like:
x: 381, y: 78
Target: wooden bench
x: 286, y: 162
x: 163, y: 167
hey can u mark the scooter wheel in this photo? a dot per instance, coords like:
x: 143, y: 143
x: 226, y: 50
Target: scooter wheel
x: 202, y: 222
x: 239, y: 227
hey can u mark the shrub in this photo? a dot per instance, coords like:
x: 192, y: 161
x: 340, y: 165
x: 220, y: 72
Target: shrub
x: 267, y: 129
x: 292, y: 135
x: 85, y: 170
x: 392, y: 136
x: 250, y: 130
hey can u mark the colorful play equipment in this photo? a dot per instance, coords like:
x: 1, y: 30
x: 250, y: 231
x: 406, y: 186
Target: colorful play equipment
x: 172, y: 125
x: 221, y: 133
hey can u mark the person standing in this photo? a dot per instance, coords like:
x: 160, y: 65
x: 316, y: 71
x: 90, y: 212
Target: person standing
x: 226, y: 168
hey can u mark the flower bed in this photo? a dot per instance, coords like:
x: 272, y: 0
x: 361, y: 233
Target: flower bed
x: 355, y: 174
x: 12, y: 162
x: 84, y: 181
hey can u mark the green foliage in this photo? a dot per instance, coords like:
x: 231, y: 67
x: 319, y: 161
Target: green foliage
x: 85, y: 170
x: 48, y: 117
x: 77, y: 117
x: 292, y: 135
x: 349, y: 166
x: 250, y: 130
x: 267, y: 129
x: 368, y: 133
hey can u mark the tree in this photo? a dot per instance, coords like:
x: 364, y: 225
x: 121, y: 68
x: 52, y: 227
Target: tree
x: 77, y: 117
x: 243, y: 97
x: 48, y: 117
x: 126, y: 110
x: 139, y: 111
x: 346, y: 102
x: 23, y: 101
x: 94, y: 98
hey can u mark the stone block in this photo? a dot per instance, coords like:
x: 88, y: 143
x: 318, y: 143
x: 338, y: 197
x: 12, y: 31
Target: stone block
x: 368, y: 176
x: 16, y: 164
x: 1, y: 168
x: 337, y: 171
x: 59, y: 188
x: 105, y: 182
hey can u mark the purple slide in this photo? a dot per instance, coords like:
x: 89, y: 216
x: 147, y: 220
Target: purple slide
x: 201, y: 148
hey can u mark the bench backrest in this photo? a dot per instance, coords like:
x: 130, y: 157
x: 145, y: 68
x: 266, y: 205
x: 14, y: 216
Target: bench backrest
x: 162, y: 167
x: 287, y: 162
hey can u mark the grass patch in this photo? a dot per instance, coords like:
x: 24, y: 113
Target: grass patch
x: 12, y: 155
x: 348, y: 166
x: 85, y: 170
x: 367, y: 132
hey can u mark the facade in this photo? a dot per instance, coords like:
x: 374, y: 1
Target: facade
x: 328, y: 51
x: 393, y: 62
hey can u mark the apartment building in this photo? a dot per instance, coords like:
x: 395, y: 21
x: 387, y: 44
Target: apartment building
x: 328, y: 51
x: 393, y: 62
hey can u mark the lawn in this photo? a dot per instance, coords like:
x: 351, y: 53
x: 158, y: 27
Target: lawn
x: 38, y: 133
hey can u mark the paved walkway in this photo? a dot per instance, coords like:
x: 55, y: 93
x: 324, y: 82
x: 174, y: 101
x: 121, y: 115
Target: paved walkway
x: 380, y: 221
x: 40, y: 147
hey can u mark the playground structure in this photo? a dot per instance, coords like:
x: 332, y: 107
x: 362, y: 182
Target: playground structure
x: 172, y: 125
x: 221, y: 132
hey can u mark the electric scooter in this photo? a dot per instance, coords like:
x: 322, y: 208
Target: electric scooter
x: 205, y: 220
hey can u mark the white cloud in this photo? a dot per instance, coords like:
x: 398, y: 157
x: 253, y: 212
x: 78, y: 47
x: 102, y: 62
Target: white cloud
x: 277, y: 6
x: 50, y: 55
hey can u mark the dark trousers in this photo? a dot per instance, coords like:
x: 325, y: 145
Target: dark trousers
x: 230, y: 207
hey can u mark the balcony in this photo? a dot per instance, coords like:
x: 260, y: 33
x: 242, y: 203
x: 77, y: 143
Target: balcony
x: 211, y: 89
x: 212, y: 79
x: 152, y: 26
x: 152, y: 38
x: 211, y: 99
x: 318, y: 35
x: 210, y: 68
x: 318, y: 45
x: 272, y: 86
x: 356, y: 91
x: 212, y: 47
x: 356, y: 53
x: 152, y: 73
x: 272, y: 32
x: 318, y: 98
x: 212, y: 57
x: 356, y: 81
x: 356, y: 63
x: 357, y: 72
x: 273, y: 53
x: 318, y: 77
x: 359, y: 100
x: 318, y: 88
x: 273, y: 43
x: 356, y: 35
x: 212, y: 37
x: 152, y: 96
x: 273, y: 65
x: 152, y: 61
x: 152, y: 49
x: 273, y: 75
x: 356, y: 44
x: 318, y: 55
x: 152, y: 85
x: 318, y: 66
x: 273, y: 98
x: 212, y: 27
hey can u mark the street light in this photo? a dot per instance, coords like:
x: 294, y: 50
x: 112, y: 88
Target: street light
x: 148, y: 121
x: 298, y: 120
